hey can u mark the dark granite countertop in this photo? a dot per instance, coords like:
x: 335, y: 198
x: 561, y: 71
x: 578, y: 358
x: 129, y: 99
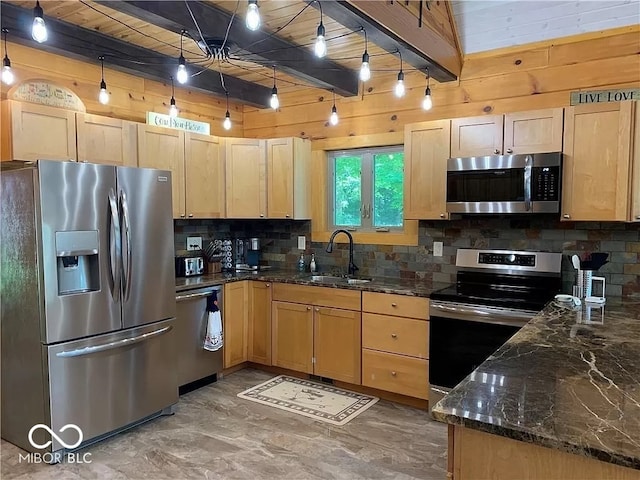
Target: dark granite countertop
x: 569, y: 380
x: 419, y: 288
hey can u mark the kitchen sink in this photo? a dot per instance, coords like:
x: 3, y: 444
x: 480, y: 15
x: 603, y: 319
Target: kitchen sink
x: 357, y: 281
x: 336, y: 279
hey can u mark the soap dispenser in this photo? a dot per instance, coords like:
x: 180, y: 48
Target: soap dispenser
x: 301, y: 264
x: 312, y: 264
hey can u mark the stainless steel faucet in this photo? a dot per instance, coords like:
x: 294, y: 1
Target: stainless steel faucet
x: 352, y: 266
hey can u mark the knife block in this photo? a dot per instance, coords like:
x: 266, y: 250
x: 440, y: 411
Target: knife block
x: 214, y: 267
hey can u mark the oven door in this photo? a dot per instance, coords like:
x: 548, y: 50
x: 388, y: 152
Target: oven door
x: 462, y: 336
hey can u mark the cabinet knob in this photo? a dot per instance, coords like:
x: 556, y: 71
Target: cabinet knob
x: 262, y: 215
x: 308, y: 308
x: 509, y: 150
x: 496, y: 151
x: 393, y: 335
x: 317, y: 309
x: 182, y: 215
x: 287, y: 215
x: 394, y: 304
x: 393, y: 374
x: 267, y: 284
x: 566, y: 215
x: 442, y: 215
x: 190, y: 215
x: 637, y: 217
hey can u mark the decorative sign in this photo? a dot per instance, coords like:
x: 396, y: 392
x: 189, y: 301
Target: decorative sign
x: 603, y: 96
x: 46, y: 93
x: 161, y: 120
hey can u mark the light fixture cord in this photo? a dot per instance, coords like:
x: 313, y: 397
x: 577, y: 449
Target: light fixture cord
x: 227, y: 94
x: 320, y: 7
x: 400, y: 53
x: 428, y: 78
x: 366, y: 40
x: 172, y: 88
x: 274, y: 76
x: 181, y: 39
x: 5, y: 31
x: 334, y: 96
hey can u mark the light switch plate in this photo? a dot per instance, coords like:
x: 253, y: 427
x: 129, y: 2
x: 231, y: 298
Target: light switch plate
x: 302, y: 242
x: 437, y: 249
x: 194, y: 243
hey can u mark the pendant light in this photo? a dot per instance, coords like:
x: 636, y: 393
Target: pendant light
x: 427, y: 102
x: 38, y: 28
x: 182, y: 75
x: 274, y: 102
x: 333, y: 118
x: 399, y: 89
x: 252, y: 19
x: 227, y: 118
x: 365, y: 71
x: 173, y: 110
x: 7, y: 73
x: 103, y: 96
x: 320, y: 47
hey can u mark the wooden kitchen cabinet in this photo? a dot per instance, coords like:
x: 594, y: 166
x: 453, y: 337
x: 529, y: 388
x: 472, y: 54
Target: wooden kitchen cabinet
x: 246, y: 178
x: 634, y: 210
x: 259, y: 340
x: 204, y: 176
x: 476, y: 136
x: 31, y: 131
x: 426, y: 150
x: 235, y: 322
x: 292, y: 336
x: 337, y: 344
x: 288, y: 192
x: 597, y: 162
x: 106, y: 140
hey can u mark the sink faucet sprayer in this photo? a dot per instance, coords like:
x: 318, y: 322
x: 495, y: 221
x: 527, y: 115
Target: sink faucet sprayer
x: 352, y: 266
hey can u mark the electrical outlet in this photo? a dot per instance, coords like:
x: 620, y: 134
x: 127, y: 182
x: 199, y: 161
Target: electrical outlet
x: 194, y: 243
x: 437, y: 249
x: 302, y: 242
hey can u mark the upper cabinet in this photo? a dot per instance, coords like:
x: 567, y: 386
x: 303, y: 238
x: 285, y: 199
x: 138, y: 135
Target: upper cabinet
x: 246, y: 175
x: 204, y: 176
x: 634, y: 213
x: 536, y: 131
x: 426, y: 150
x: 597, y: 162
x: 287, y: 178
x: 106, y: 140
x: 37, y: 132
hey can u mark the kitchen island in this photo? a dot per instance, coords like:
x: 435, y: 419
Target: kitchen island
x: 560, y: 400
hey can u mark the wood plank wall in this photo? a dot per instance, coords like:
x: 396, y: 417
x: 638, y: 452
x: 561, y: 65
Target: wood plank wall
x: 131, y: 96
x: 525, y: 78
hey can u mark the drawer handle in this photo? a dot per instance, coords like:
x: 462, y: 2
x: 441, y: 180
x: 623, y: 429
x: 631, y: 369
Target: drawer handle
x: 308, y: 308
x: 394, y: 304
x: 317, y: 309
x: 393, y: 335
x: 393, y: 374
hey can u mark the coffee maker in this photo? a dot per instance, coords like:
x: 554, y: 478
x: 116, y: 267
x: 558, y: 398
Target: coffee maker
x: 253, y: 252
x: 247, y: 254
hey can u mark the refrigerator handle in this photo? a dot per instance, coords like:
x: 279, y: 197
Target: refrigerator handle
x: 124, y: 206
x: 114, y: 243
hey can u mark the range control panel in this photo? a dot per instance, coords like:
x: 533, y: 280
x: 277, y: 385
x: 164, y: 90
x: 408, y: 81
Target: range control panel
x: 522, y: 260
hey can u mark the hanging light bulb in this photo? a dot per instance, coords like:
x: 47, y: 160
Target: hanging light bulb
x: 320, y: 47
x: 365, y: 71
x: 226, y: 124
x: 333, y: 118
x: 252, y: 20
x: 399, y: 89
x: 173, y: 110
x: 427, y: 102
x: 182, y: 75
x: 103, y: 96
x: 7, y: 73
x: 274, y: 102
x: 38, y: 29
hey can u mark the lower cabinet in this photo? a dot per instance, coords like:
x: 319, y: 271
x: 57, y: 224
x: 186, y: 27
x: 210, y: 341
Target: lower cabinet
x: 259, y: 347
x: 235, y: 322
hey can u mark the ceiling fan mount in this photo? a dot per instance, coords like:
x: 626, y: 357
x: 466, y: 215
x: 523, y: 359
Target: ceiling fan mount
x: 215, y: 47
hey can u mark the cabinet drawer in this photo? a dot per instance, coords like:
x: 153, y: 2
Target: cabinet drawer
x: 405, y: 336
x: 400, y: 305
x: 317, y: 296
x: 395, y: 373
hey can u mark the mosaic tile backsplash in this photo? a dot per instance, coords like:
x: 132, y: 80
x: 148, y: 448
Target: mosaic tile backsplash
x: 539, y: 233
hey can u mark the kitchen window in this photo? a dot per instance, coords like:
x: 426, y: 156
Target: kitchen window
x: 366, y: 189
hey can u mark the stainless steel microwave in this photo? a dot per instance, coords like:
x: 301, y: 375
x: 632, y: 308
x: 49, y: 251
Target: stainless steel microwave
x: 505, y: 184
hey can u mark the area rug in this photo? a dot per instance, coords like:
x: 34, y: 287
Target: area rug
x: 315, y: 400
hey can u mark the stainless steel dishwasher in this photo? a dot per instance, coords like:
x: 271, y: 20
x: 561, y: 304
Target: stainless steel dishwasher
x: 194, y: 362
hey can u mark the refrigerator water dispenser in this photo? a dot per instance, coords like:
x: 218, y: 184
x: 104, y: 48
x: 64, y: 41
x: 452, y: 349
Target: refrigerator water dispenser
x: 78, y: 263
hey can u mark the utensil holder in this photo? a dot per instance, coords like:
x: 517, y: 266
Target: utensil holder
x: 582, y: 288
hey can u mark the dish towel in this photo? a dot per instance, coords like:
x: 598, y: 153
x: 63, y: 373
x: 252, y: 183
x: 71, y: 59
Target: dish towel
x: 213, y: 340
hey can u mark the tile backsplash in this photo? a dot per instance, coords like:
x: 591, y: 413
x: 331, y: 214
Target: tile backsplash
x: 539, y: 233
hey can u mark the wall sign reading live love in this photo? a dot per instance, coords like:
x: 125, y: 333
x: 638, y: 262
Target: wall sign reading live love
x: 603, y: 96
x: 161, y: 120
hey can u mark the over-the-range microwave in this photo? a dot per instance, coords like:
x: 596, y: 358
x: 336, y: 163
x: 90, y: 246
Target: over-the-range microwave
x: 505, y: 183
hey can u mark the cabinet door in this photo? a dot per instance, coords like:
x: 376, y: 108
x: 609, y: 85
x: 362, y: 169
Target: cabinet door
x: 260, y: 323
x: 204, y: 176
x: 426, y: 150
x: 537, y: 131
x: 634, y: 212
x: 287, y: 178
x: 246, y: 174
x: 597, y: 150
x: 337, y: 344
x: 476, y: 136
x: 163, y: 148
x: 38, y: 132
x: 292, y: 344
x: 235, y: 324
x: 107, y: 140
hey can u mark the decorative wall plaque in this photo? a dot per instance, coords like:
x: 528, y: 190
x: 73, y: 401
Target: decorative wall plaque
x: 46, y: 93
x: 603, y: 96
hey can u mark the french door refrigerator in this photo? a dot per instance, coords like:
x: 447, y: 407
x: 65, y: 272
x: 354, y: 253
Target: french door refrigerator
x: 88, y: 300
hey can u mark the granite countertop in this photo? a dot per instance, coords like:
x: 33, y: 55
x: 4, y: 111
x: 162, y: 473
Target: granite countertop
x: 418, y: 288
x: 569, y: 380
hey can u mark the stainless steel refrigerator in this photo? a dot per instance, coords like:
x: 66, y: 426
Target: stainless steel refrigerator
x: 88, y: 300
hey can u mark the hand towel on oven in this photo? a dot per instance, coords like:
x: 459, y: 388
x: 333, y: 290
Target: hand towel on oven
x: 213, y: 339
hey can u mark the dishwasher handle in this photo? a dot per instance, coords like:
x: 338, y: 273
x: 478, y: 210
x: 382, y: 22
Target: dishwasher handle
x: 198, y: 294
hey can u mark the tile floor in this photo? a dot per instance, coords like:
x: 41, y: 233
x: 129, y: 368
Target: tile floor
x: 215, y: 435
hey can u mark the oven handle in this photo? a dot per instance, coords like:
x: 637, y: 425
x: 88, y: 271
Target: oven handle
x: 480, y: 313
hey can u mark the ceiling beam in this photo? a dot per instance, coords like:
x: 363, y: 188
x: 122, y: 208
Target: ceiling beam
x: 393, y: 27
x: 84, y: 44
x: 260, y: 46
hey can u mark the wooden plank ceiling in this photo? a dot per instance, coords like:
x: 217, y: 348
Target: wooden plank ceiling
x: 154, y: 27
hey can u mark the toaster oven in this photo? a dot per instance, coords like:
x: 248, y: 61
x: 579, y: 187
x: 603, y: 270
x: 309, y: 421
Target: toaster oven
x: 189, y: 266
